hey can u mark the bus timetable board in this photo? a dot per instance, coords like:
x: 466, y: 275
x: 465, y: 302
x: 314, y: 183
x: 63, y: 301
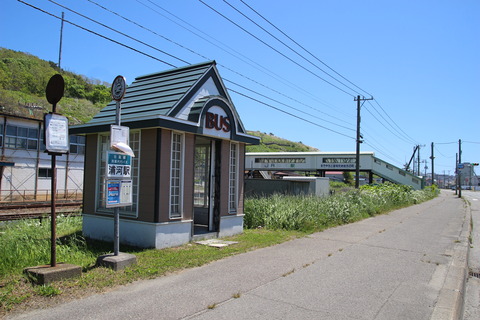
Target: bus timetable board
x: 118, y: 193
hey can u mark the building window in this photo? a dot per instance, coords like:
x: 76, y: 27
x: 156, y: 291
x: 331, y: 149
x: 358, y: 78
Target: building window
x: 104, y: 146
x: 18, y: 137
x: 1, y: 135
x: 233, y: 179
x: 45, y: 172
x: 176, y: 168
x: 77, y: 144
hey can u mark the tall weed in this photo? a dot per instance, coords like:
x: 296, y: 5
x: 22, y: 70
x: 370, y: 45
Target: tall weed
x: 310, y: 213
x: 27, y: 243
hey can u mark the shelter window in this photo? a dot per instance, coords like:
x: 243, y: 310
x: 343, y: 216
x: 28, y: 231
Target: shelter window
x: 233, y: 179
x: 176, y: 176
x: 202, y: 175
x: 104, y: 146
x: 77, y: 144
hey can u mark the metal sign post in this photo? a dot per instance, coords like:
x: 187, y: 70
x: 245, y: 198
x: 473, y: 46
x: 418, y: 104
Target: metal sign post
x: 56, y: 143
x: 118, y: 183
x: 118, y: 91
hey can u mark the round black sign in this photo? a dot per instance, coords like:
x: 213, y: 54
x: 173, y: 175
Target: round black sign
x: 55, y: 88
x: 119, y: 86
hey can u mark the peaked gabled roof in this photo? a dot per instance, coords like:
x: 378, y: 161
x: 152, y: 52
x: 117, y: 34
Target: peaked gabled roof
x: 171, y: 99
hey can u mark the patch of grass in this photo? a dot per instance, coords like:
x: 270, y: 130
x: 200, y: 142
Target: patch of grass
x: 16, y: 290
x: 47, y: 291
x: 26, y: 243
x: 12, y: 293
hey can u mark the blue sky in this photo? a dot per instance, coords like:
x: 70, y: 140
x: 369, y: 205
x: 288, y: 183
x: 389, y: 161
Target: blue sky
x: 418, y: 59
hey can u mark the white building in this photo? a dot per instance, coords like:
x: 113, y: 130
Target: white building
x: 25, y: 167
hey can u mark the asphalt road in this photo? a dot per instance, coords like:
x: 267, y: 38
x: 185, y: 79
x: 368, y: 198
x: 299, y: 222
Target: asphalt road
x: 408, y: 264
x: 472, y: 297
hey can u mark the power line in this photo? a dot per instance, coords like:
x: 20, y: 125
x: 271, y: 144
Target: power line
x: 98, y: 34
x: 232, y: 52
x: 286, y: 45
x: 390, y: 130
x: 119, y: 32
x: 302, y: 47
x: 284, y: 104
x: 438, y: 151
x: 206, y: 58
x: 138, y: 51
x: 386, y: 155
x: 290, y: 114
x: 393, y: 121
x: 399, y: 131
x: 378, y: 145
x: 272, y: 74
x: 274, y: 49
x: 245, y: 95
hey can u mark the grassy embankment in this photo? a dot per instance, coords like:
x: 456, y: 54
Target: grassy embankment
x: 268, y: 221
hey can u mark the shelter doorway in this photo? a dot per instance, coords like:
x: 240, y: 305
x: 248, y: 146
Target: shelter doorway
x: 206, y: 213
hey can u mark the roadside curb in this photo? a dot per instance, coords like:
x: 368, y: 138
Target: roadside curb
x: 451, y: 299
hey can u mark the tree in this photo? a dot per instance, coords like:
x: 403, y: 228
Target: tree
x: 347, y: 177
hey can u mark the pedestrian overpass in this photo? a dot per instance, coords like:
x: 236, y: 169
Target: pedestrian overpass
x: 321, y: 162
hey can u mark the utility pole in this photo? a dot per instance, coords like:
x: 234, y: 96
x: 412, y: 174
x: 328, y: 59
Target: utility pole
x: 61, y: 38
x: 358, y: 140
x: 418, y: 161
x: 456, y: 173
x: 432, y: 157
x: 459, y: 171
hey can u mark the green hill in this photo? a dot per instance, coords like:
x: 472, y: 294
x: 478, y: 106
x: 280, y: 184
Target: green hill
x: 272, y: 143
x: 24, y: 77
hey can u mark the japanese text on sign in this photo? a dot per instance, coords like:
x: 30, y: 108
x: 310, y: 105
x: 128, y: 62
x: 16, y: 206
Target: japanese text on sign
x: 118, y: 165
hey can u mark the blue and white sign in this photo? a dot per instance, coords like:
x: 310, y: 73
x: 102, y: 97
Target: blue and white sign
x: 119, y: 165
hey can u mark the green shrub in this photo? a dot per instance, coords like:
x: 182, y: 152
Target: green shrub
x: 310, y: 213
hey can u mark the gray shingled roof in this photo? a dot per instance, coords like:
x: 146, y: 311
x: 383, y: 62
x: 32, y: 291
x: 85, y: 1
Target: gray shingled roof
x: 157, y: 100
x: 154, y: 94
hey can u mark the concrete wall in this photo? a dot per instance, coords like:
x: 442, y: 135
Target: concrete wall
x: 262, y: 187
x: 318, y: 186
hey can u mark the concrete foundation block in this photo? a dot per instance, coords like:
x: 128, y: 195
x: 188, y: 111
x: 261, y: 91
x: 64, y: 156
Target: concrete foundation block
x: 116, y: 263
x: 46, y: 274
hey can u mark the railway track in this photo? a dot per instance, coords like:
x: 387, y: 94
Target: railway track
x: 9, y: 212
